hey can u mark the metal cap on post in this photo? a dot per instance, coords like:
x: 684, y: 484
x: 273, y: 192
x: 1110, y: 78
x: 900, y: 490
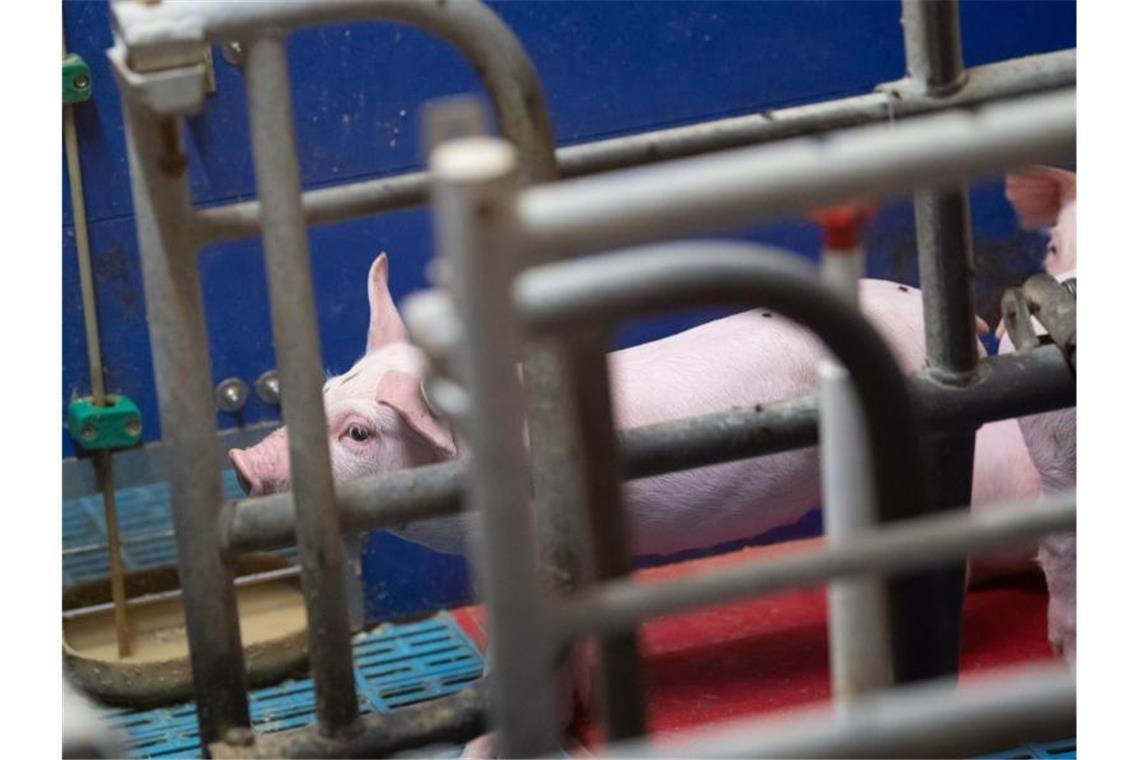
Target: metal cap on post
x: 474, y: 180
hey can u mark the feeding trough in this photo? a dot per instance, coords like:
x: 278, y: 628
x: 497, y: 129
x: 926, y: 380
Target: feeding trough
x: 157, y: 669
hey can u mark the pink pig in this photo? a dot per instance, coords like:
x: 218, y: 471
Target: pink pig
x: 379, y: 422
x: 1046, y: 199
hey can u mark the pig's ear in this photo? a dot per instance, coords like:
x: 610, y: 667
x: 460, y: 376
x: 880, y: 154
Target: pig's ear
x: 402, y: 392
x: 1038, y: 194
x: 385, y: 325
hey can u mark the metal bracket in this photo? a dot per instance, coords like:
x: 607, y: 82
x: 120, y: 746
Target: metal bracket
x: 169, y: 92
x: 1052, y: 305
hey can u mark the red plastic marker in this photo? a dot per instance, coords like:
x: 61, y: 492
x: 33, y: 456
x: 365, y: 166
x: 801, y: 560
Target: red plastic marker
x: 842, y: 224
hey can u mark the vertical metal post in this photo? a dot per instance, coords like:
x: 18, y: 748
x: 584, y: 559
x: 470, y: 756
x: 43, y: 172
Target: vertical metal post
x: 946, y: 271
x: 933, y: 39
x: 473, y: 185
x: 286, y: 248
x: 607, y: 544
x: 105, y: 479
x: 857, y: 617
x: 186, y: 408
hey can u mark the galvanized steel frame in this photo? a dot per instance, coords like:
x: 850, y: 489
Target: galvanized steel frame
x: 154, y: 58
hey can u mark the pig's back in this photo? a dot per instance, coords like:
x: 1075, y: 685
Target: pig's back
x: 755, y: 357
x: 751, y: 358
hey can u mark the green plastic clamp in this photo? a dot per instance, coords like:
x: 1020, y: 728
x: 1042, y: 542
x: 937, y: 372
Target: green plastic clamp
x: 115, y: 426
x: 76, y: 80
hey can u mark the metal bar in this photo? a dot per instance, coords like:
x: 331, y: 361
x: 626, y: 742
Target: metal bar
x: 104, y: 469
x: 935, y: 719
x: 858, y: 633
x: 455, y: 718
x: 748, y: 185
x: 268, y: 522
x: 72, y: 551
x: 1009, y: 385
x: 556, y: 457
x: 933, y: 40
x: 83, y: 255
x: 890, y: 102
x: 606, y: 533
x: 295, y: 336
x: 946, y: 276
x: 105, y: 476
x: 904, y: 545
x: 475, y: 182
x: 327, y: 205
x: 177, y: 325
x: 685, y: 275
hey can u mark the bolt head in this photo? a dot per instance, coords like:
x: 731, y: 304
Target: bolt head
x: 233, y: 53
x: 230, y: 395
x: 268, y: 387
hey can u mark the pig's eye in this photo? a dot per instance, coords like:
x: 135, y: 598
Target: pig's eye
x: 358, y: 433
x: 1052, y: 249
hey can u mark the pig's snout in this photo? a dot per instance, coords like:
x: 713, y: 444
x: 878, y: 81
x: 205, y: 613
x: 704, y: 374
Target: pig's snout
x: 246, y: 478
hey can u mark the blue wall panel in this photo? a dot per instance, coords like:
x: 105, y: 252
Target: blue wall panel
x: 608, y: 68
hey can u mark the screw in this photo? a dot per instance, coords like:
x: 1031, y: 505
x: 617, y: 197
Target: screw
x: 81, y: 81
x: 233, y: 53
x: 268, y: 387
x: 89, y: 432
x: 230, y: 395
x: 133, y: 427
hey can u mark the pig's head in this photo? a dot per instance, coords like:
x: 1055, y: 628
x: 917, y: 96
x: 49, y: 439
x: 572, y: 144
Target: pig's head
x: 378, y: 419
x: 1046, y: 199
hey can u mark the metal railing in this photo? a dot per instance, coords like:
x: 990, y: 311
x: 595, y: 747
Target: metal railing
x: 500, y: 239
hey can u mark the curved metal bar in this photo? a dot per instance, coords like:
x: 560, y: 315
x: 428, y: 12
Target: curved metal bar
x: 638, y: 282
x: 150, y: 30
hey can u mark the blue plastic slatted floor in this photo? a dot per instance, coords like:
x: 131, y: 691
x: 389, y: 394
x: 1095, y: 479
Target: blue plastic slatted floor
x: 396, y: 665
x: 145, y: 531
